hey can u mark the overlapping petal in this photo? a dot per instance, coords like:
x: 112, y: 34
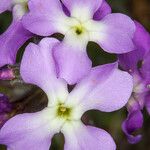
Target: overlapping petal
x: 103, y: 10
x: 99, y: 90
x: 38, y: 67
x: 86, y: 6
x: 72, y: 59
x: 81, y: 137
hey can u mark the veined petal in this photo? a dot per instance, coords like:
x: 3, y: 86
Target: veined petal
x: 81, y: 137
x: 72, y: 58
x: 5, y: 5
x: 82, y: 9
x: 114, y: 33
x: 11, y: 41
x: 99, y: 90
x: 38, y: 67
x: 48, y: 15
x: 103, y: 10
x: 31, y: 131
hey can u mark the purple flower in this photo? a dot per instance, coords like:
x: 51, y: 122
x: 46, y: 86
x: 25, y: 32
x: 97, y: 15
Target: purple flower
x: 137, y: 64
x: 98, y: 90
x: 133, y: 122
x: 16, y: 35
x: 5, y: 108
x: 80, y: 21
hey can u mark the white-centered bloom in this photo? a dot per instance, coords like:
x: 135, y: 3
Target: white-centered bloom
x: 100, y: 89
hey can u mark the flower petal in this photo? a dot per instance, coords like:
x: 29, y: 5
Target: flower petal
x: 99, y: 90
x: 82, y: 9
x: 103, y: 10
x: 5, y: 5
x: 11, y: 41
x: 145, y: 70
x: 114, y: 33
x: 31, y: 131
x: 72, y: 59
x: 147, y: 103
x: 48, y: 15
x: 38, y: 67
x: 81, y: 137
x: 141, y: 40
x: 129, y: 61
x: 133, y: 122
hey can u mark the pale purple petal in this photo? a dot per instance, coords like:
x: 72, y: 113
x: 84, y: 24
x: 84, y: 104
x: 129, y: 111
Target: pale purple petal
x: 11, y: 41
x: 48, y: 15
x: 133, y: 122
x: 81, y: 137
x: 38, y: 67
x: 38, y: 62
x: 73, y: 61
x: 27, y: 130
x: 99, y: 90
x: 85, y: 6
x: 104, y: 10
x: 5, y: 5
x: 114, y: 33
x: 141, y: 40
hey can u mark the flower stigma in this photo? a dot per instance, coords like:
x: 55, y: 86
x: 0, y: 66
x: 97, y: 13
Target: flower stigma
x: 64, y: 111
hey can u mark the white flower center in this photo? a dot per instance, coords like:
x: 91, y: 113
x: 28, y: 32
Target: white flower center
x: 63, y: 111
x: 61, y: 114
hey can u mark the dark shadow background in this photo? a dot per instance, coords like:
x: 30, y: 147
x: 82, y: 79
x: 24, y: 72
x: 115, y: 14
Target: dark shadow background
x: 25, y: 96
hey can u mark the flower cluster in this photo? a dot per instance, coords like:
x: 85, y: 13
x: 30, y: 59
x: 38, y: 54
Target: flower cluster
x: 137, y: 64
x: 53, y: 64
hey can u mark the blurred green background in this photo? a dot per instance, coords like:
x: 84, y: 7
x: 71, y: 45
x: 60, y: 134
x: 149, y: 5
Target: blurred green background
x: 25, y: 96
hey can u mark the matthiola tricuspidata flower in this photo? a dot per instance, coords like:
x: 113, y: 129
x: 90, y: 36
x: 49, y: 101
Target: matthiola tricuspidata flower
x: 105, y: 88
x: 137, y: 64
x: 16, y: 35
x: 80, y: 21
